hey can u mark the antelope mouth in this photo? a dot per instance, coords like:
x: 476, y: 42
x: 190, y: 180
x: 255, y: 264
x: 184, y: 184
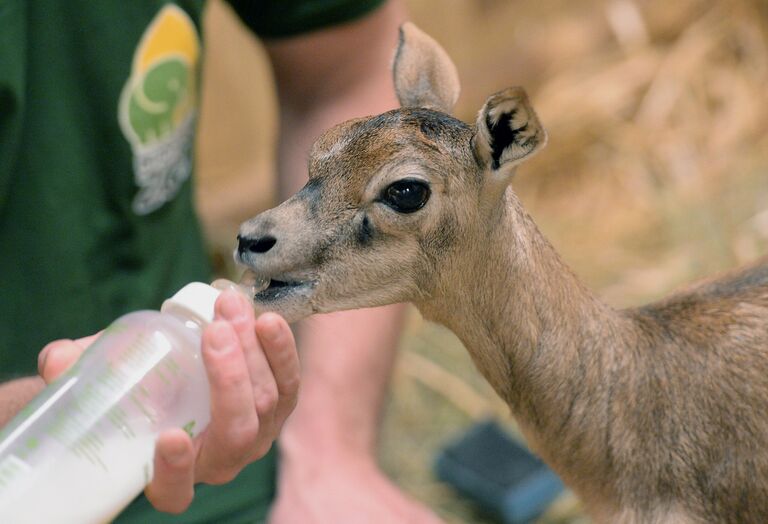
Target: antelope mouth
x: 282, y: 287
x: 270, y: 289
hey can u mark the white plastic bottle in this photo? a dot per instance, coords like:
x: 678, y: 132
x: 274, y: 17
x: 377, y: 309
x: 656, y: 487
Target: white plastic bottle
x: 83, y: 448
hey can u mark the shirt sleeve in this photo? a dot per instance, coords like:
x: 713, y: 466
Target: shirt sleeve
x: 284, y: 18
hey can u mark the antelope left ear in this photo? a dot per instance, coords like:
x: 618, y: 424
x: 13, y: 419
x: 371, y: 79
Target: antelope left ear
x: 423, y: 72
x: 507, y: 132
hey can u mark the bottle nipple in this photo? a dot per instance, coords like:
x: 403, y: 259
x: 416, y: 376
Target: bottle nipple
x: 249, y: 284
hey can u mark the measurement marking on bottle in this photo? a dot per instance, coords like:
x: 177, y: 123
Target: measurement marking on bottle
x: 76, y: 426
x: 10, y: 467
x: 99, y: 422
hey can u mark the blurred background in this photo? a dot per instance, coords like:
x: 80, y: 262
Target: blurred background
x: 656, y: 172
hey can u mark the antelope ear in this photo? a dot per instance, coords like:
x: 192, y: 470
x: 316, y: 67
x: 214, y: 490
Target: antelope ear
x: 507, y: 132
x: 424, y: 74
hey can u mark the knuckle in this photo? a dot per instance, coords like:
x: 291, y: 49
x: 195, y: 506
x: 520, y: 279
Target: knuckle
x: 262, y: 449
x: 233, y: 450
x: 241, y: 440
x: 266, y: 401
x: 291, y: 405
x: 222, y: 475
x: 289, y: 385
x: 286, y: 356
x: 229, y: 376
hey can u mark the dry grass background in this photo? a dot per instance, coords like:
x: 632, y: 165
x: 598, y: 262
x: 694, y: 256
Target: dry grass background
x: 656, y: 172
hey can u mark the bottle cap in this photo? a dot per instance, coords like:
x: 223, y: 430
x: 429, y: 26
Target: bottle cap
x: 196, y: 299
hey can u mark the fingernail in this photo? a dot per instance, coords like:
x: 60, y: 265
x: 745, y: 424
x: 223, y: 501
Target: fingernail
x: 175, y: 457
x: 41, y: 360
x: 272, y: 331
x: 230, y: 306
x: 222, y: 337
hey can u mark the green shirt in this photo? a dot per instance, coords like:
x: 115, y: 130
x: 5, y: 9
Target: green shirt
x: 98, y: 103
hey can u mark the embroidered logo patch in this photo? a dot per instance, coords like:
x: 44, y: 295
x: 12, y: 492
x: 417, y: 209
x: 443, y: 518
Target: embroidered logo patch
x: 158, y: 106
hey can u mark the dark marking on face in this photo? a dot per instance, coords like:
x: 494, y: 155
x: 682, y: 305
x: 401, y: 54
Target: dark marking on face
x: 310, y: 193
x: 432, y: 124
x: 320, y: 254
x: 435, y: 125
x: 502, y: 135
x: 441, y: 239
x: 366, y: 232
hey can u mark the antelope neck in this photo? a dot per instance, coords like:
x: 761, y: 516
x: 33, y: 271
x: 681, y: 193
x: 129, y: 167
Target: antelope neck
x: 544, y: 342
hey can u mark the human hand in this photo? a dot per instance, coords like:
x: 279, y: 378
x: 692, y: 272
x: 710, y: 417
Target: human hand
x: 253, y: 370
x: 343, y: 491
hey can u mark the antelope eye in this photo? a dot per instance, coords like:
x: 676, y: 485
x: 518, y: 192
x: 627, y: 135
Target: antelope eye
x: 407, y: 195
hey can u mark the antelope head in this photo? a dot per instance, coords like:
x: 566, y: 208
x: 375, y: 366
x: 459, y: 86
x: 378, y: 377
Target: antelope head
x: 397, y: 205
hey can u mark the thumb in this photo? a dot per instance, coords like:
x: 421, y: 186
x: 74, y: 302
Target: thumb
x: 59, y: 355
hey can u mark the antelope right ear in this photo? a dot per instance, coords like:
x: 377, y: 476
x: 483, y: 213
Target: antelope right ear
x: 424, y: 74
x: 507, y: 132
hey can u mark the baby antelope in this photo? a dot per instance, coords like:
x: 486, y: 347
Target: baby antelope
x: 651, y: 415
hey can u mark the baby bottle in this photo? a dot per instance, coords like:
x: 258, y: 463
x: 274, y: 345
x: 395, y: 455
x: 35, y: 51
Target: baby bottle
x: 84, y: 447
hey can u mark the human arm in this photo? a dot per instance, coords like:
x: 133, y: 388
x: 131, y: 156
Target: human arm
x: 15, y: 394
x: 252, y: 369
x: 328, y: 470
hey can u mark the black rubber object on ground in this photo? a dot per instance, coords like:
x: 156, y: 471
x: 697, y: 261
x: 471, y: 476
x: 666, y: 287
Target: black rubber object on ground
x: 488, y: 466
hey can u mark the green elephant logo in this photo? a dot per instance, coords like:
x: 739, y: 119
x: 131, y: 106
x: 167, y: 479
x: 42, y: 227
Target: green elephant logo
x: 157, y: 107
x: 159, y: 101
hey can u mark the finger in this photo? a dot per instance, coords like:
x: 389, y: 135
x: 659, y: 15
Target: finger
x: 237, y: 310
x: 172, y: 486
x: 234, y: 424
x: 59, y: 355
x: 280, y: 349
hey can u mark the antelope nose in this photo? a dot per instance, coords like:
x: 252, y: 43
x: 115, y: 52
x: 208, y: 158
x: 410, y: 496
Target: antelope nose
x: 255, y: 245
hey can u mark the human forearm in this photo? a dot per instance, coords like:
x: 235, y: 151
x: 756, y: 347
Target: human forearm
x: 15, y: 394
x: 326, y: 77
x: 328, y: 469
x: 347, y: 360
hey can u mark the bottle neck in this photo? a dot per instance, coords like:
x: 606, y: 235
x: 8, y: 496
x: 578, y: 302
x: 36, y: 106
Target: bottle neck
x: 193, y: 304
x: 187, y: 317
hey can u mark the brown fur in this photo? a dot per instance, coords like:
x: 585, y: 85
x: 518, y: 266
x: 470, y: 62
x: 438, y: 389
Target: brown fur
x: 654, y: 414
